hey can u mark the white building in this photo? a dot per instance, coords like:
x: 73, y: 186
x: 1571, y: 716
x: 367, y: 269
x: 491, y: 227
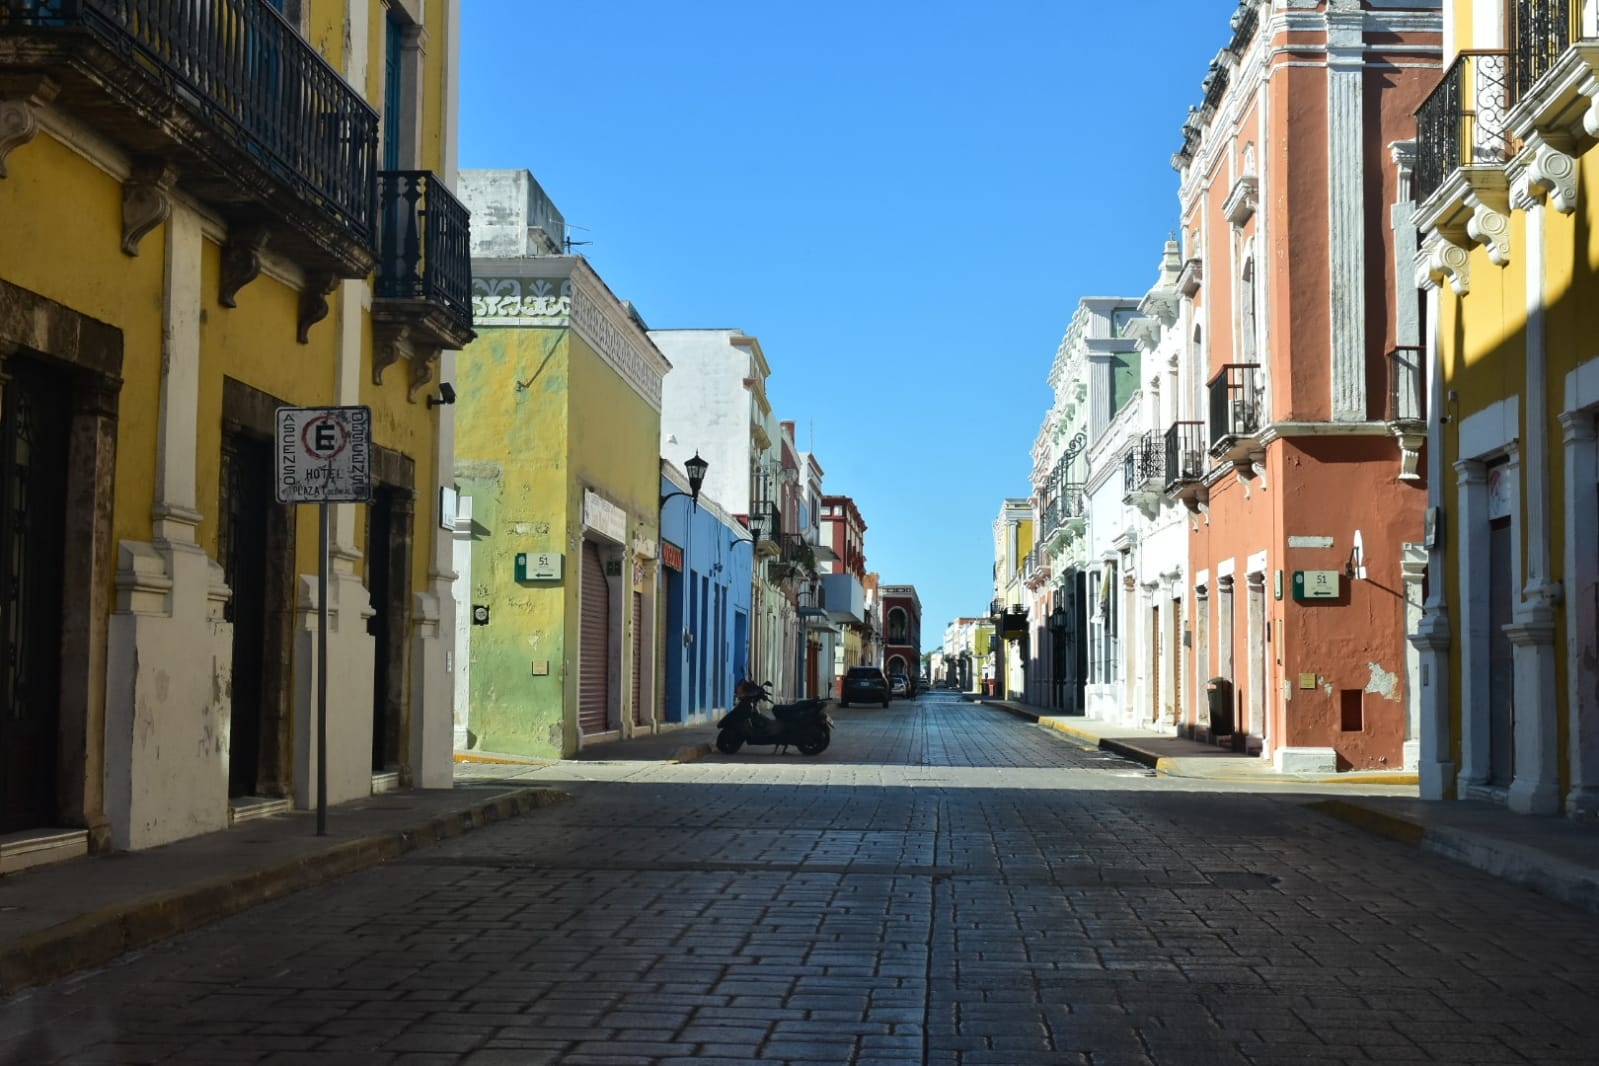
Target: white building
x: 1111, y: 354
x: 714, y: 403
x: 1156, y: 457
x: 1093, y: 378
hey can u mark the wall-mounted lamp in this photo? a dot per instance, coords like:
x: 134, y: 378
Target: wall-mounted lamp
x: 695, y: 468
x: 446, y: 395
x: 1356, y: 566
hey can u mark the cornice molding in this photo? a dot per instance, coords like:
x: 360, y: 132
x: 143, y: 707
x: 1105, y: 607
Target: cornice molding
x: 1239, y: 207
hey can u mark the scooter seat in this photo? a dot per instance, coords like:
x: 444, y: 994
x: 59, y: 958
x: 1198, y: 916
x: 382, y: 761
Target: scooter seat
x: 788, y: 711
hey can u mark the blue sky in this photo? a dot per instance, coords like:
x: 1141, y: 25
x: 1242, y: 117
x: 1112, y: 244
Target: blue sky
x: 903, y: 200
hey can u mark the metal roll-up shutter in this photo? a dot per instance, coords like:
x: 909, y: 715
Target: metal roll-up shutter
x: 594, y: 649
x: 638, y: 658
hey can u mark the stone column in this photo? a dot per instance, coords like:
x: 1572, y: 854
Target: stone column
x: 169, y: 655
x: 1536, y: 786
x: 1430, y: 636
x: 1413, y: 568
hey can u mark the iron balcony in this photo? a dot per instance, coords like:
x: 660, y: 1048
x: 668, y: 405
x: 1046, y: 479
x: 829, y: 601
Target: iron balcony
x: 424, y: 276
x: 227, y: 97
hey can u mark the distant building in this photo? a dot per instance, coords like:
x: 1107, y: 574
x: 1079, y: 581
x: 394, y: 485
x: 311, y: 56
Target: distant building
x: 902, y: 630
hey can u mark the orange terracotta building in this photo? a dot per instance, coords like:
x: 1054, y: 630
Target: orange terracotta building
x: 1292, y: 438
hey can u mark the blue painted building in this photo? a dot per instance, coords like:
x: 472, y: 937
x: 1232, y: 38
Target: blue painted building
x: 705, y: 592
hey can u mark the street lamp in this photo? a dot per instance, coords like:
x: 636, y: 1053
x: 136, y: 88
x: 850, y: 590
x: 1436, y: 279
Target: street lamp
x: 696, y: 468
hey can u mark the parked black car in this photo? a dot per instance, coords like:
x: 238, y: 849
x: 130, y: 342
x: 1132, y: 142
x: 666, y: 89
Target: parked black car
x: 864, y: 684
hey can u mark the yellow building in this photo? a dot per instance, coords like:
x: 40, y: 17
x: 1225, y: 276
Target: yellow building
x: 1505, y: 178
x: 203, y: 219
x: 558, y: 450
x: 1013, y: 559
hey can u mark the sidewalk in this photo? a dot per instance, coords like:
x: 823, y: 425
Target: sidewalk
x: 82, y: 913
x: 1554, y: 856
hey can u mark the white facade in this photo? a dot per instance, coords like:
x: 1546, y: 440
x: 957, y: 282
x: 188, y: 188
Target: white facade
x: 1106, y: 688
x: 713, y: 403
x: 1093, y: 377
x: 1158, y: 557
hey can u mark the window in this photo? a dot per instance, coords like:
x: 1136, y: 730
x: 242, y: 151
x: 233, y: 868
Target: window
x: 1246, y: 313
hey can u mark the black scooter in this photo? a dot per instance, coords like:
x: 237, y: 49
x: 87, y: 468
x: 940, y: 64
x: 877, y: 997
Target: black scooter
x: 804, y: 724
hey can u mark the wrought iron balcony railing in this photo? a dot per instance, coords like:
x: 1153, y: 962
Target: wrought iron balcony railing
x: 228, y: 90
x: 1185, y: 453
x: 1407, y: 385
x: 1462, y: 121
x: 1143, y: 463
x: 1544, y: 30
x: 1235, y: 400
x: 424, y: 249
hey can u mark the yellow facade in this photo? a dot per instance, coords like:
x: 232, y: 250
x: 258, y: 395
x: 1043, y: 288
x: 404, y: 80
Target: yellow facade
x: 559, y: 448
x: 124, y: 239
x: 1507, y: 217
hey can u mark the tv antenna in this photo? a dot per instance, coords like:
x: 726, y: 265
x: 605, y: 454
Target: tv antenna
x: 569, y: 242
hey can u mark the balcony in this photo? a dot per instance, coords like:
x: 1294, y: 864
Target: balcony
x: 422, y: 297
x: 1462, y: 121
x: 1407, y: 406
x: 222, y: 99
x: 796, y: 559
x: 1185, y: 461
x: 1143, y: 466
x: 1235, y: 402
x: 1036, y: 572
x: 1544, y: 30
x: 844, y: 598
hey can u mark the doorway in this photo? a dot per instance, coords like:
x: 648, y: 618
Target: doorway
x: 35, y: 417
x: 387, y: 560
x: 1501, y: 665
x: 594, y: 645
x: 247, y: 502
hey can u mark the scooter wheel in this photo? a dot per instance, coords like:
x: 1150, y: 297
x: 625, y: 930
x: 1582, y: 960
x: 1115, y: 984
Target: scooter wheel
x: 815, y: 742
x: 728, y: 742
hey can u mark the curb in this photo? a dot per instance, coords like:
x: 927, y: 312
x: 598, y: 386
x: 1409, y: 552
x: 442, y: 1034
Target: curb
x: 96, y: 938
x: 1522, y: 865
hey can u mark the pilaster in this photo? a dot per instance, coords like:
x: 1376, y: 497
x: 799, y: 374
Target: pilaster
x: 1413, y: 569
x: 169, y: 658
x: 1582, y: 611
x: 1346, y: 211
x: 1535, y: 788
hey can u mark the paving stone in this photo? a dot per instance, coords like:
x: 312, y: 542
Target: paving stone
x: 944, y: 884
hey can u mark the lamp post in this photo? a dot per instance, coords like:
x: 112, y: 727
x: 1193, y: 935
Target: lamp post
x: 760, y: 523
x: 695, y: 468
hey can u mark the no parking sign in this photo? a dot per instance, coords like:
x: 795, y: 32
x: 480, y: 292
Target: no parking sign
x: 324, y: 454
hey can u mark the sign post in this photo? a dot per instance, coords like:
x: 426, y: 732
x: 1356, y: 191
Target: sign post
x: 324, y: 456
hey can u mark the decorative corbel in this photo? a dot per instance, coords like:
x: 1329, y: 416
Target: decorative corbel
x: 1489, y: 226
x: 422, y: 364
x: 391, y: 344
x: 146, y: 201
x: 1550, y: 168
x: 18, y: 123
x: 314, y: 302
x: 1590, y: 117
x: 241, y: 260
x: 1446, y: 259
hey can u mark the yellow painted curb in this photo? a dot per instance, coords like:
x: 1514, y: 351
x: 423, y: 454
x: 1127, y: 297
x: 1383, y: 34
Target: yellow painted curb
x: 502, y: 760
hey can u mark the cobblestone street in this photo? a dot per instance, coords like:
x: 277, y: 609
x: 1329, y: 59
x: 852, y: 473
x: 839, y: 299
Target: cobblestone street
x: 946, y: 885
